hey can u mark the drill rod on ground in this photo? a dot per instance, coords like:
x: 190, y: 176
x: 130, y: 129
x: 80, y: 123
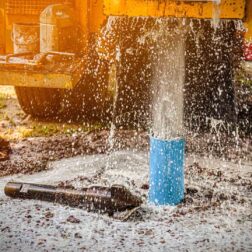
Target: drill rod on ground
x: 94, y: 198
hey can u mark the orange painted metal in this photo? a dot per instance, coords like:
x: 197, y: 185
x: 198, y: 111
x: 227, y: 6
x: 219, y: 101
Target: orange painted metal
x: 89, y: 16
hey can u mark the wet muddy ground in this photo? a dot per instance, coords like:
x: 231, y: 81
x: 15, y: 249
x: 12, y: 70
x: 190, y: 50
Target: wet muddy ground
x: 216, y: 214
x: 34, y: 143
x: 33, y: 154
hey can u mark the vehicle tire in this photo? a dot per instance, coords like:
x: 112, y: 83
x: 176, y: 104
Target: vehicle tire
x: 88, y: 100
x: 39, y: 102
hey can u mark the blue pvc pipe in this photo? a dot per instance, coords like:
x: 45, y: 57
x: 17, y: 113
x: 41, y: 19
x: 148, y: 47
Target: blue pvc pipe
x: 166, y: 171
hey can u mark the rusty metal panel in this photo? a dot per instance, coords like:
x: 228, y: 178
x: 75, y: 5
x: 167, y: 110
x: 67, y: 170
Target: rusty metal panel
x: 29, y: 79
x: 177, y: 8
x: 49, y: 80
x: 30, y: 7
x: 21, y: 72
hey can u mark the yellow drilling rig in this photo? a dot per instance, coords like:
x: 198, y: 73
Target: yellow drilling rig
x: 48, y: 51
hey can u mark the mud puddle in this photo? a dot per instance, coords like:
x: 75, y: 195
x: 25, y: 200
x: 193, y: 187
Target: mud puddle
x: 33, y: 154
x: 216, y: 213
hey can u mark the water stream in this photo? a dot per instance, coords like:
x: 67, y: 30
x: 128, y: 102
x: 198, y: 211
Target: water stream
x: 168, y: 82
x: 167, y: 41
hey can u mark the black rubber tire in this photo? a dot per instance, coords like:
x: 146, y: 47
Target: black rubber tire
x: 39, y: 102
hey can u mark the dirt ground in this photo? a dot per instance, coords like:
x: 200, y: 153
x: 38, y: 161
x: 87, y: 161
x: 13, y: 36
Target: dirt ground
x: 34, y: 143
x: 33, y: 154
x: 215, y: 215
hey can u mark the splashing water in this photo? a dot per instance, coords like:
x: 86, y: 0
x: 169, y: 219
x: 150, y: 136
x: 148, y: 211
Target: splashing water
x: 168, y: 84
x: 188, y: 61
x: 112, y: 131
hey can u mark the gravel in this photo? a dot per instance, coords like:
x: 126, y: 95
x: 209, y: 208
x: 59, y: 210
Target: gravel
x: 215, y: 215
x: 33, y: 154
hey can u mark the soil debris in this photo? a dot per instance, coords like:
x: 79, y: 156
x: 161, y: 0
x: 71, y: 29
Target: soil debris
x: 73, y: 219
x: 217, y: 207
x: 33, y: 154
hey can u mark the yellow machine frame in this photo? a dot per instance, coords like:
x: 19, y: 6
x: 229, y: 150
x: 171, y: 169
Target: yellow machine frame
x: 92, y: 15
x: 194, y: 9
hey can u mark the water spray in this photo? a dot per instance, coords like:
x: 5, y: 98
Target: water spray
x: 167, y: 143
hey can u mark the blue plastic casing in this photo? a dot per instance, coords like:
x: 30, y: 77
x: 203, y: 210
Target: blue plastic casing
x: 166, y: 171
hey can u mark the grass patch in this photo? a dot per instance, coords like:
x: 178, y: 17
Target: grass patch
x: 243, y: 79
x: 41, y: 129
x: 15, y: 125
x: 49, y: 129
x: 2, y: 104
x: 2, y: 101
x: 6, y: 117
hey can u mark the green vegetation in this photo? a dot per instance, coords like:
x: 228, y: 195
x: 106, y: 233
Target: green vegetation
x: 243, y: 78
x: 2, y: 101
x: 41, y: 129
x: 15, y: 124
